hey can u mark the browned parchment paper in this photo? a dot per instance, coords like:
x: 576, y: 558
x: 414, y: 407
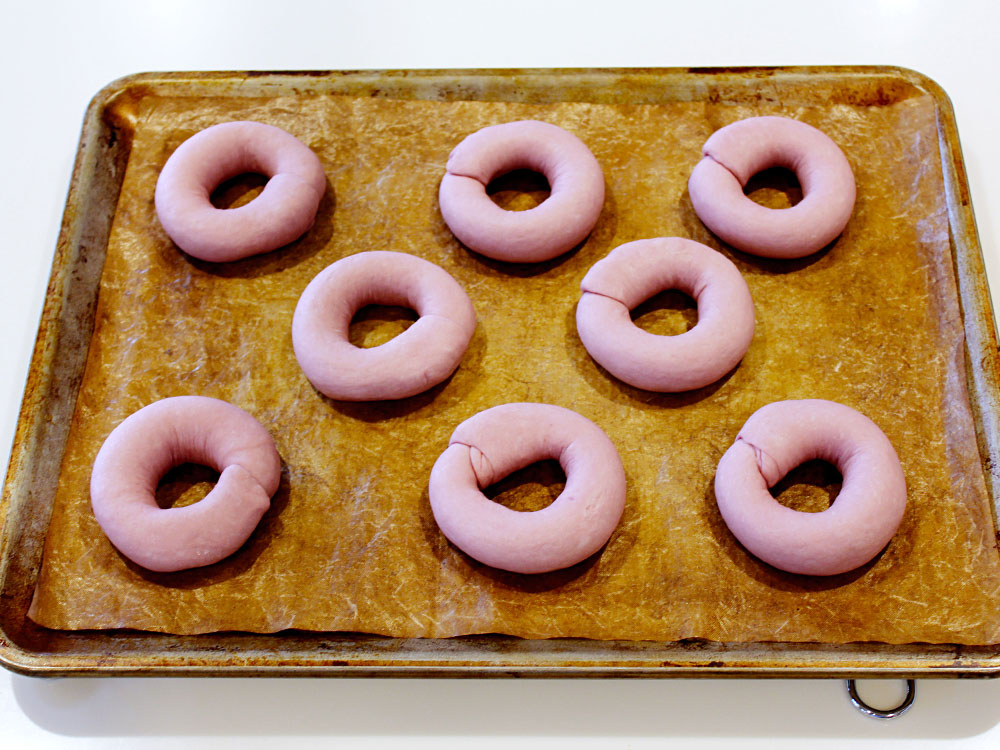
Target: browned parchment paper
x: 351, y: 544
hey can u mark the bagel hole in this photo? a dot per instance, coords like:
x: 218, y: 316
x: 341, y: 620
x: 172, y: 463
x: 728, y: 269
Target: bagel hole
x: 529, y: 489
x: 668, y: 313
x: 776, y: 187
x: 519, y: 190
x: 374, y: 325
x: 184, y: 485
x: 810, y: 488
x: 239, y: 190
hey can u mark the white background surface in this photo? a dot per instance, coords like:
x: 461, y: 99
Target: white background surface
x: 54, y: 56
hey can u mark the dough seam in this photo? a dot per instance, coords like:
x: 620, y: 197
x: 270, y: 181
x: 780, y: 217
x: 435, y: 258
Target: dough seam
x: 725, y: 167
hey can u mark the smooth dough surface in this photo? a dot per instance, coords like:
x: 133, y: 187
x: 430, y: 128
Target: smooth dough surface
x: 558, y: 224
x: 735, y: 153
x: 422, y: 356
x: 854, y: 529
x: 634, y: 272
x: 283, y: 212
x: 165, y: 434
x: 493, y: 443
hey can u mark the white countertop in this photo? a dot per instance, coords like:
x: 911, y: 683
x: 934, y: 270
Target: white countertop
x: 59, y: 54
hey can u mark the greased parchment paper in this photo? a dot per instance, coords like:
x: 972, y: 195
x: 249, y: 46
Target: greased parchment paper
x: 350, y: 543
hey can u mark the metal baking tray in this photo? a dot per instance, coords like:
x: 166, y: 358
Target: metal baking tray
x: 68, y: 320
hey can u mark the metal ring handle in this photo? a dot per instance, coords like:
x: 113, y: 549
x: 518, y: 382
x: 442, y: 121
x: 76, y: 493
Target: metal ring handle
x: 892, y: 713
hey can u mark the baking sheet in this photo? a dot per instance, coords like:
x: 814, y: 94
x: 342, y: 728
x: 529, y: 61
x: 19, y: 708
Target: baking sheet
x: 877, y: 305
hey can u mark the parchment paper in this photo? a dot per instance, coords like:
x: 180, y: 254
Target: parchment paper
x: 351, y: 545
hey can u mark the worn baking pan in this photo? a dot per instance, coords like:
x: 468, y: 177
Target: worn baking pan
x: 73, y: 318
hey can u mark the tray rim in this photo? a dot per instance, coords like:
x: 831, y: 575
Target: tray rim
x: 475, y: 656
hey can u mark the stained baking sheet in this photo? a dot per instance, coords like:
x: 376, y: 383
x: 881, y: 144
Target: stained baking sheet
x: 874, y: 321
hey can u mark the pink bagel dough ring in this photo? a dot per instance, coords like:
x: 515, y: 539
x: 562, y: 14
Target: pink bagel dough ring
x: 167, y: 433
x: 283, y: 212
x: 737, y: 152
x: 779, y: 437
x: 634, y: 272
x: 493, y: 443
x: 422, y: 356
x: 558, y: 224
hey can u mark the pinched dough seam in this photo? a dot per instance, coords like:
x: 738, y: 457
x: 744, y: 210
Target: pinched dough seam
x: 724, y: 166
x: 760, y: 456
x: 608, y: 296
x: 480, y: 463
x: 466, y: 176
